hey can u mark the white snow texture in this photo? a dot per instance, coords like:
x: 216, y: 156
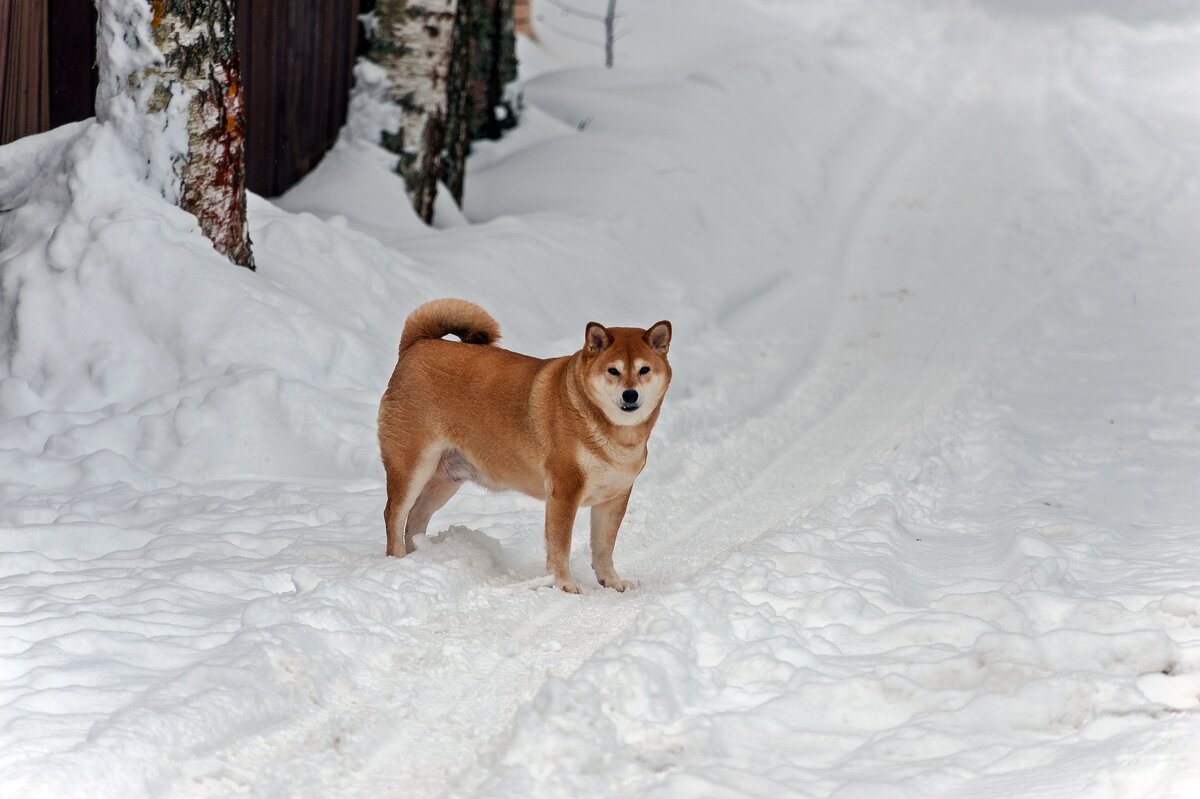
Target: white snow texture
x: 920, y: 517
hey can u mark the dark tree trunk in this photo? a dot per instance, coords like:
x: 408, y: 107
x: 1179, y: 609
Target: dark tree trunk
x: 484, y: 62
x: 458, y: 117
x: 493, y: 67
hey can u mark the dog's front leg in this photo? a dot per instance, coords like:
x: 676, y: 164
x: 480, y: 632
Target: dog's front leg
x: 606, y: 521
x: 563, y: 492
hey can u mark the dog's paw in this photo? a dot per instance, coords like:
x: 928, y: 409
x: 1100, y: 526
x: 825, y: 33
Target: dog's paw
x: 617, y: 585
x: 570, y: 586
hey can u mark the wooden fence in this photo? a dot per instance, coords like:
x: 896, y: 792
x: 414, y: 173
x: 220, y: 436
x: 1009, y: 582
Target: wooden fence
x: 24, y: 68
x: 297, y: 60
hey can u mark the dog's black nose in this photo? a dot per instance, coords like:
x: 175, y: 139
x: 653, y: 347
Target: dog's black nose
x: 630, y: 396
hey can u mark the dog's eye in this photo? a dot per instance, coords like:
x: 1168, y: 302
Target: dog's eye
x: 612, y: 370
x: 645, y: 370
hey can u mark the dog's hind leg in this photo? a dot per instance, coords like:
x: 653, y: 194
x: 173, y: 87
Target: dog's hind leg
x: 407, y: 474
x: 434, y: 495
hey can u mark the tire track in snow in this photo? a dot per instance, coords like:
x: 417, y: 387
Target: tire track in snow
x: 635, y: 763
x: 442, y: 722
x: 835, y: 418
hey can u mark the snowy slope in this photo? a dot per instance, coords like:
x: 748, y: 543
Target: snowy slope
x: 919, y: 517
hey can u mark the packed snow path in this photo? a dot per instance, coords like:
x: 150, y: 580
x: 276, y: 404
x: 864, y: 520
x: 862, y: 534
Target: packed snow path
x: 920, y: 518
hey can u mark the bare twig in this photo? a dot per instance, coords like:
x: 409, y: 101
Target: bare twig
x: 609, y: 18
x: 610, y: 21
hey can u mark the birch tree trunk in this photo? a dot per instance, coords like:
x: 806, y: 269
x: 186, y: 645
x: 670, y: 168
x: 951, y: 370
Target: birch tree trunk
x: 170, y: 84
x: 414, y: 44
x: 447, y: 63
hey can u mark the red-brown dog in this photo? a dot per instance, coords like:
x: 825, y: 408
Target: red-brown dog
x: 571, y: 430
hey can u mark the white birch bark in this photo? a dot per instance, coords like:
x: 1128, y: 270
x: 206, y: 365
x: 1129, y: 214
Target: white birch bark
x: 413, y: 44
x: 169, y: 83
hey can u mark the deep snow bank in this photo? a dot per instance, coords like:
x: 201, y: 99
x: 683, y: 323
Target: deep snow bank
x: 126, y: 334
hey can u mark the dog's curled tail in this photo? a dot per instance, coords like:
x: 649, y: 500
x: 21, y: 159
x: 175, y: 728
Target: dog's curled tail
x: 460, y: 318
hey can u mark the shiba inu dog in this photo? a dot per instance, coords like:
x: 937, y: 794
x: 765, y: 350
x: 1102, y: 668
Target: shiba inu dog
x: 571, y: 430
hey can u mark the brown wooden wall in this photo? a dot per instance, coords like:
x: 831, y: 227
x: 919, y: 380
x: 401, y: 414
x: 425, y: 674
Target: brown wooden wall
x: 297, y: 61
x: 24, y: 68
x: 73, y: 72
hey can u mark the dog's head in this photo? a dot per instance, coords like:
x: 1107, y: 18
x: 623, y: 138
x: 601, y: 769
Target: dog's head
x: 625, y: 370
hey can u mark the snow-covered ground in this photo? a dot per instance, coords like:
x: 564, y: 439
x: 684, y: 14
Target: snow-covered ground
x: 920, y: 518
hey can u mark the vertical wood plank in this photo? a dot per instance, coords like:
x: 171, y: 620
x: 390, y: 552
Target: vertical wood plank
x: 24, y: 106
x: 297, y: 61
x: 72, y: 56
x: 6, y: 11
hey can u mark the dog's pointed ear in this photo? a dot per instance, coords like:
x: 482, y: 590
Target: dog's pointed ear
x: 659, y: 337
x: 596, y: 338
